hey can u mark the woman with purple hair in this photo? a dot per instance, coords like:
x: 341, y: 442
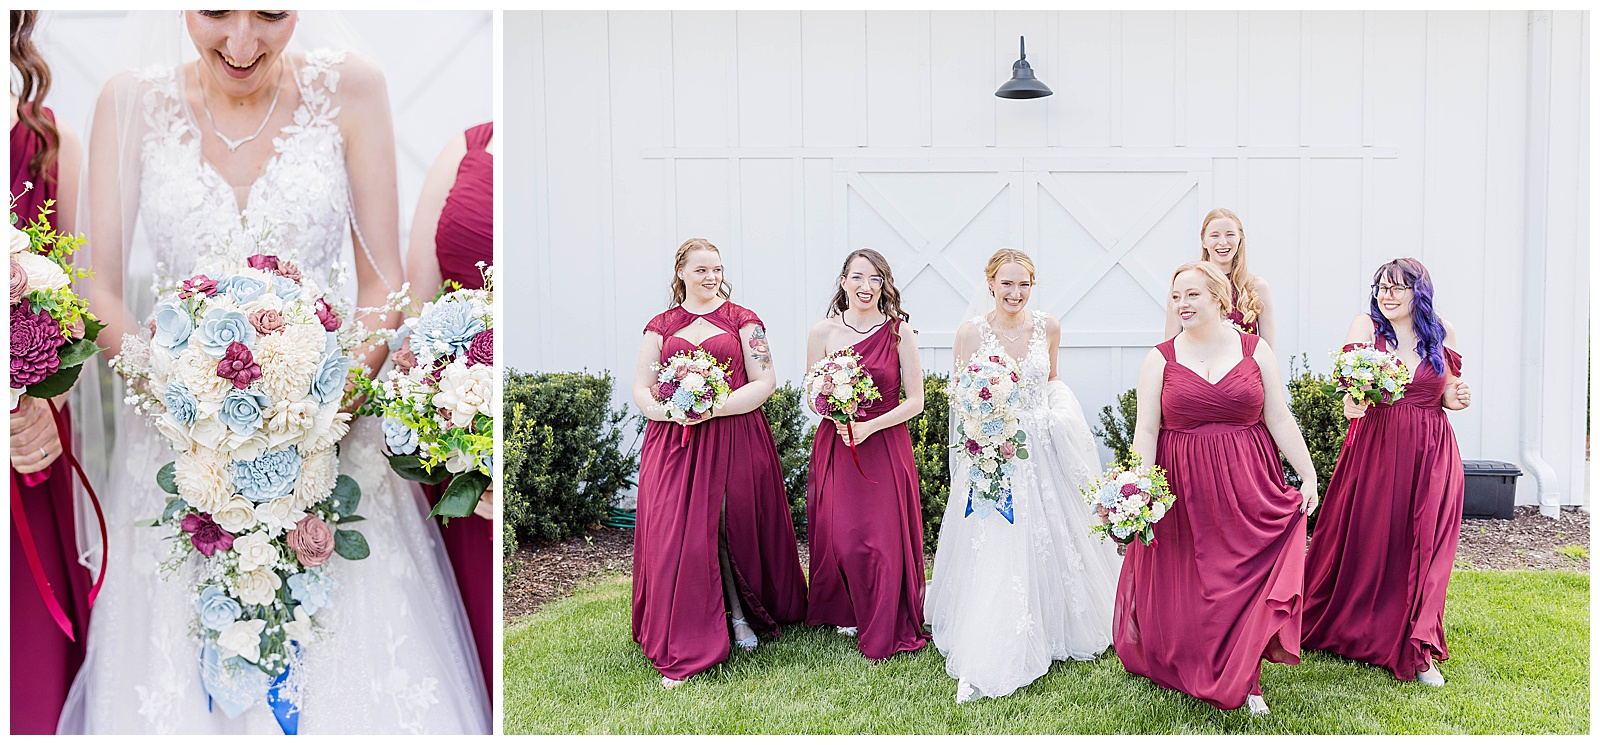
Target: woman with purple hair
x: 1381, y: 555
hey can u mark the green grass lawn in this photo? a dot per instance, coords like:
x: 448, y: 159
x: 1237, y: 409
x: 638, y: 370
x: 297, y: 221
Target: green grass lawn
x: 1519, y: 645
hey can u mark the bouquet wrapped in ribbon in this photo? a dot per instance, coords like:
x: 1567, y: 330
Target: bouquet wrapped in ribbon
x: 440, y: 400
x: 244, y: 373
x: 839, y: 385
x: 1134, y: 498
x: 1368, y: 375
x: 985, y: 401
x: 689, y: 385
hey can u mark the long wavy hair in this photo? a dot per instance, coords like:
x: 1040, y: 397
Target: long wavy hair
x: 1243, y: 280
x: 35, y: 84
x: 679, y: 291
x: 888, y: 300
x: 1430, y: 330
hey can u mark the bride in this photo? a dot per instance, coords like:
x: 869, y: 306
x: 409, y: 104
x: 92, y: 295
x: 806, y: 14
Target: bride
x: 1009, y: 596
x: 262, y: 135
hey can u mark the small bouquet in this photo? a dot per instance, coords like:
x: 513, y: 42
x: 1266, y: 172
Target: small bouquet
x: 245, y: 373
x: 689, y: 385
x: 52, y: 330
x: 1368, y: 375
x: 440, y: 400
x: 985, y: 399
x: 1135, y: 495
x: 839, y: 385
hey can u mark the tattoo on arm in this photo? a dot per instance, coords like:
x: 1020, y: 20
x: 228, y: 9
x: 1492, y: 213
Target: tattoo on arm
x: 758, y: 348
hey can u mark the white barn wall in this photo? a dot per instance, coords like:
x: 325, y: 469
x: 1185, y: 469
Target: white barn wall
x: 1342, y: 138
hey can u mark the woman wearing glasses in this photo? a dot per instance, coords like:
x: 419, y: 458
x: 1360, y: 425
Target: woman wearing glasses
x: 1381, y: 556
x: 864, y: 506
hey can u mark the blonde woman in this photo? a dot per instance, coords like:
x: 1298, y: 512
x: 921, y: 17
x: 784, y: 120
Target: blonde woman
x: 1222, y: 246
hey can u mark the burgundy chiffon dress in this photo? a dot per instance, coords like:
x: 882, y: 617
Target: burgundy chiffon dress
x: 43, y: 660
x: 728, y: 463
x: 465, y: 237
x: 1386, y: 539
x: 866, y: 538
x: 1220, y: 590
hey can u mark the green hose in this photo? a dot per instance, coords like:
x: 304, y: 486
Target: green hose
x: 619, y: 518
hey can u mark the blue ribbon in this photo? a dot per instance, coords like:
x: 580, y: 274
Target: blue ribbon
x: 287, y: 714
x: 237, y: 699
x: 1002, y: 505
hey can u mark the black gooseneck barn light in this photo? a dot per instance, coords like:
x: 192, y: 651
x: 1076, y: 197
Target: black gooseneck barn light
x: 1022, y: 83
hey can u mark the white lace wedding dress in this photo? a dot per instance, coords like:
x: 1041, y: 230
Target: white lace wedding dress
x: 399, y: 658
x: 1007, y: 598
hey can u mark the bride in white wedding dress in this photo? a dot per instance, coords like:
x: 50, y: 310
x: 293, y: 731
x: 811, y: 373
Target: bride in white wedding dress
x: 259, y: 135
x: 1008, y: 597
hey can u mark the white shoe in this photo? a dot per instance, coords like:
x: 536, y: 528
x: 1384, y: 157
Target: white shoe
x: 965, y: 692
x: 669, y: 683
x: 1257, y: 704
x: 847, y: 630
x: 1431, y: 676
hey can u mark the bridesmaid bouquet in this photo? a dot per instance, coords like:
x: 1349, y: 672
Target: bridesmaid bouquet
x: 244, y: 374
x: 440, y: 400
x: 1135, y: 496
x: 986, y: 400
x: 689, y: 384
x: 839, y: 385
x: 1368, y: 375
x: 52, y: 330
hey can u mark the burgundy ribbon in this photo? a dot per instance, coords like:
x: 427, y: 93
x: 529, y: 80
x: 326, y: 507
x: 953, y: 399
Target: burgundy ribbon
x: 30, y: 549
x: 852, y: 432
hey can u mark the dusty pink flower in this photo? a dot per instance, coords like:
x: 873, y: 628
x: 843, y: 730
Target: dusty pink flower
x: 206, y: 534
x: 312, y: 541
x: 1008, y: 449
x: 19, y: 282
x: 325, y: 314
x: 77, y: 328
x: 404, y: 358
x: 266, y: 321
x: 238, y: 365
x: 289, y: 271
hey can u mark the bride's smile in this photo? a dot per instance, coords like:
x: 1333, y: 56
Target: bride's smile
x: 237, y: 45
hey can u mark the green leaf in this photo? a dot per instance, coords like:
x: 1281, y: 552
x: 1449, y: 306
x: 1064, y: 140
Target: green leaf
x: 1022, y: 453
x: 174, y: 506
x: 91, y: 329
x: 346, y: 497
x: 78, y: 352
x: 350, y: 544
x: 167, y: 478
x: 1020, y: 437
x: 56, y: 384
x: 151, y: 523
x: 410, y: 468
x: 347, y: 519
x: 461, y: 495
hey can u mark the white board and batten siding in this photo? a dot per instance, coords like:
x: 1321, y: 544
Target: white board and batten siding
x: 1343, y: 140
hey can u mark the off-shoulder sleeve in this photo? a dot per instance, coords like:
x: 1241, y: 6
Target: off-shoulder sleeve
x: 1453, y: 361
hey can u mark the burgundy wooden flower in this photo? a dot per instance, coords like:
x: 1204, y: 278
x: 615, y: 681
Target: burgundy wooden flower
x: 238, y: 365
x: 325, y: 314
x: 198, y: 283
x: 206, y: 534
x: 481, y: 351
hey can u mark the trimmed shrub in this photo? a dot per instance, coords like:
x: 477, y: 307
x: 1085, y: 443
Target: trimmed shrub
x: 930, y: 443
x: 1116, y: 425
x: 786, y: 416
x: 1322, y: 423
x: 564, y: 460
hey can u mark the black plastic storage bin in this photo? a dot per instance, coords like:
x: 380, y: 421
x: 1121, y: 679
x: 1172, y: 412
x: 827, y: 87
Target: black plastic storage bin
x: 1491, y: 489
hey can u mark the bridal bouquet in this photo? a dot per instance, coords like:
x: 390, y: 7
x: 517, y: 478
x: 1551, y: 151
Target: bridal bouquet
x: 689, y: 384
x: 52, y: 330
x: 1368, y: 375
x: 440, y: 399
x: 1135, y: 498
x: 244, y: 374
x: 985, y: 400
x: 839, y: 385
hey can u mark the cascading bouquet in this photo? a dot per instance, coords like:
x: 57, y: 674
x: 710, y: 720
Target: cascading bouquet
x: 985, y: 401
x: 52, y: 330
x: 440, y: 400
x: 1135, y: 498
x: 839, y: 385
x: 1368, y: 375
x: 244, y: 374
x: 689, y: 385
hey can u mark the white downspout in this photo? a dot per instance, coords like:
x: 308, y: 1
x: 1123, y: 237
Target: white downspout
x: 1533, y: 264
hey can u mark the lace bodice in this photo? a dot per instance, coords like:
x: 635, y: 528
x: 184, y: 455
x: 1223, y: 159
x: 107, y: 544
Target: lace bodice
x: 300, y: 203
x: 1034, y: 367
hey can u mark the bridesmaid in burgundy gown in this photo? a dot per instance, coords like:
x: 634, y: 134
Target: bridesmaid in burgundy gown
x: 1222, y: 245
x: 43, y: 660
x: 452, y: 232
x: 1221, y: 588
x: 714, y: 550
x: 865, y: 523
x: 1380, y: 560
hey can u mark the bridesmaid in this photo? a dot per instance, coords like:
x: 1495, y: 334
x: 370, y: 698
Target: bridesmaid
x: 1222, y: 245
x: 1381, y: 557
x: 1222, y: 589
x: 714, y: 538
x: 454, y: 230
x: 43, y: 660
x: 867, y: 574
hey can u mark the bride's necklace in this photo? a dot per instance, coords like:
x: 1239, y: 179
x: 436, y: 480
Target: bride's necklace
x: 233, y: 145
x: 1009, y: 337
x: 875, y: 326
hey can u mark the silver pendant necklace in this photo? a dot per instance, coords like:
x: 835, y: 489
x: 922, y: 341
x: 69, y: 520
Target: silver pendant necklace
x: 1009, y: 337
x: 233, y: 145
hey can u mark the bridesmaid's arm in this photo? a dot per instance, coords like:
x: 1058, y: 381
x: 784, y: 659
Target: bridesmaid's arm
x: 816, y: 349
x: 644, y: 376
x: 1052, y: 337
x: 1360, y: 333
x: 761, y: 379
x: 1283, y: 428
x: 1457, y: 395
x: 910, y: 384
x: 1147, y: 423
x: 369, y: 159
x: 422, y: 258
x: 1267, y: 321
